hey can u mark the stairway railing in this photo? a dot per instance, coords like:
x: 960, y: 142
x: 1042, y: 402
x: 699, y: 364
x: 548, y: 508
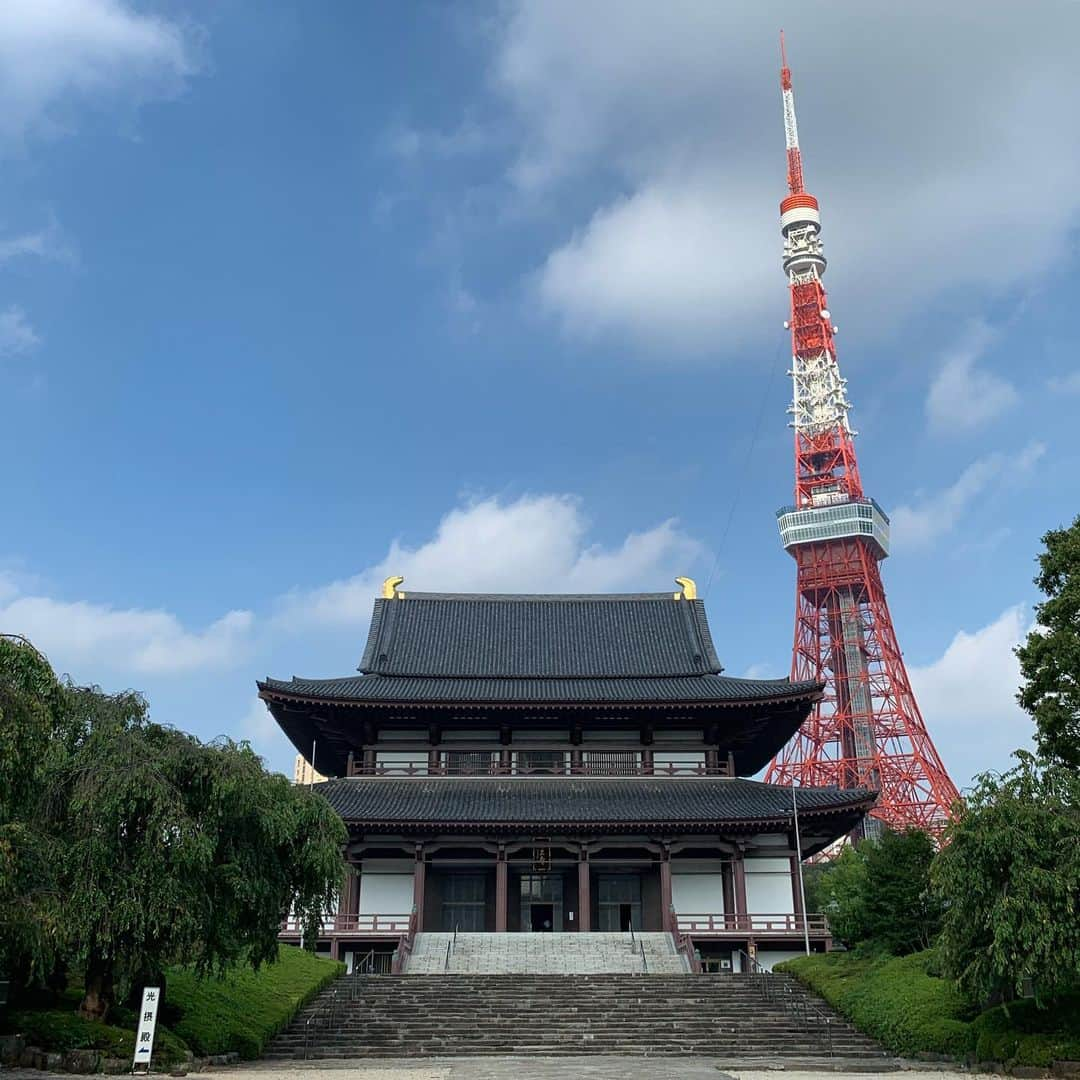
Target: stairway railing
x: 773, y: 988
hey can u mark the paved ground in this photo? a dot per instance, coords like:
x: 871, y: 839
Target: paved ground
x: 567, y: 1068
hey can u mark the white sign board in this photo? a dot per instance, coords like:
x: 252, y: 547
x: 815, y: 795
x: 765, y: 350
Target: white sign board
x: 144, y: 1037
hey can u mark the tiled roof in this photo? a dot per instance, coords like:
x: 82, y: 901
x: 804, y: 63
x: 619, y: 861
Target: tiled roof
x: 706, y: 689
x: 638, y: 635
x: 478, y: 803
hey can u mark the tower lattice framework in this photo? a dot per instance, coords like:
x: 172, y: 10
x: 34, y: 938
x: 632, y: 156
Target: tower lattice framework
x: 866, y: 731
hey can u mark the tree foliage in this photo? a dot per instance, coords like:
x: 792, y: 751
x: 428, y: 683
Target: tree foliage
x: 1050, y: 658
x: 1009, y: 875
x: 166, y: 850
x: 878, y: 893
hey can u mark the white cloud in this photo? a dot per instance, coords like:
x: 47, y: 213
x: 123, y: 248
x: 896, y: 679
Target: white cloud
x: 962, y: 397
x: 16, y: 333
x: 102, y: 52
x: 46, y: 243
x: 664, y: 121
x: 938, y: 514
x: 82, y: 638
x: 535, y: 543
x: 968, y: 696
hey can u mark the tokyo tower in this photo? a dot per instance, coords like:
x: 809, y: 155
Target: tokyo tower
x: 866, y: 731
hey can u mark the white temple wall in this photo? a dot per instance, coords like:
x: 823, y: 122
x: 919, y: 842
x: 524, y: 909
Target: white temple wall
x: 768, y: 957
x: 385, y: 894
x: 768, y: 886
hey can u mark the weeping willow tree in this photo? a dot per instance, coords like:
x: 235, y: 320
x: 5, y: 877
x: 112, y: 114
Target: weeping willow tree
x: 159, y: 849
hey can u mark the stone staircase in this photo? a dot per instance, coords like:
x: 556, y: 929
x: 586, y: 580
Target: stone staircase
x: 725, y: 1016
x: 594, y: 953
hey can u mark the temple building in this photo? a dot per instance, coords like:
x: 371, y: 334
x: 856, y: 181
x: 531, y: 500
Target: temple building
x: 523, y: 764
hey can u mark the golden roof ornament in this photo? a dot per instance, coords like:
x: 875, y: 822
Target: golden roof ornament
x: 390, y: 588
x: 689, y: 588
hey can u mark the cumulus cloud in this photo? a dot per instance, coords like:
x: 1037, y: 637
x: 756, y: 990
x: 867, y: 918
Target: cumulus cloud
x: 968, y: 696
x: 962, y: 396
x: 84, y: 638
x: 16, y: 334
x: 660, y: 125
x: 103, y: 52
x: 937, y: 514
x: 1065, y: 384
x: 535, y: 543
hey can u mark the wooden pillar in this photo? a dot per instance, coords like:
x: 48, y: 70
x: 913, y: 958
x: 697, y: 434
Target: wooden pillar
x: 739, y: 874
x: 433, y: 762
x: 369, y: 761
x: 575, y: 761
x: 728, y: 883
x: 506, y: 761
x: 712, y: 761
x: 419, y: 875
x: 730, y: 764
x: 501, y: 890
x: 350, y: 764
x: 647, y: 761
x: 667, y: 922
x: 584, y: 892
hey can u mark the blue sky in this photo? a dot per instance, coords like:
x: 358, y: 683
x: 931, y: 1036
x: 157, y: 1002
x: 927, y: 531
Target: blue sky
x: 294, y: 296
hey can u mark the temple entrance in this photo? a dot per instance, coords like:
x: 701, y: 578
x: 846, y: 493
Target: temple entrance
x: 542, y: 902
x: 463, y: 902
x: 619, y: 901
x: 543, y: 917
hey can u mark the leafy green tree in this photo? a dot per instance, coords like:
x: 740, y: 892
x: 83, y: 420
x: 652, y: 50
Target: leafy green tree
x: 35, y: 733
x: 1009, y: 876
x: 181, y: 852
x: 900, y: 912
x: 128, y: 846
x: 842, y: 891
x: 1050, y: 658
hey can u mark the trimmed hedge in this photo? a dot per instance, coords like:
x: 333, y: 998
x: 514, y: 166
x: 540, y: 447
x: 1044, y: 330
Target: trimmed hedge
x: 245, y: 1009
x: 909, y: 1010
x: 58, y: 1030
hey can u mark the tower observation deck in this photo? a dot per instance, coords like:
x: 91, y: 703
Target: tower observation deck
x: 866, y: 731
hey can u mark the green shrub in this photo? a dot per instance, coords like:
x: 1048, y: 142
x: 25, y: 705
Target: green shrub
x: 892, y: 999
x: 242, y: 1011
x: 61, y: 1030
x: 903, y: 1004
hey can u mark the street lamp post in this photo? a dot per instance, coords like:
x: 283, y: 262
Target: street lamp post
x: 798, y: 862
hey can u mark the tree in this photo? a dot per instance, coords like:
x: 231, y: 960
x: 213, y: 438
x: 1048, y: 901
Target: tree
x: 129, y: 846
x: 1009, y: 876
x: 35, y: 732
x: 1050, y: 658
x: 181, y: 852
x: 900, y: 912
x: 842, y: 888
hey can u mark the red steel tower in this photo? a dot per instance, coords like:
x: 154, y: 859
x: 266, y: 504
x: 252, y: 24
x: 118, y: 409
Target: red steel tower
x: 867, y: 730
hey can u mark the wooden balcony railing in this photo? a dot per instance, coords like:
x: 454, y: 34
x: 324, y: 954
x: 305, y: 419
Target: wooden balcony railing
x: 658, y: 768
x: 720, y: 925
x: 368, y: 925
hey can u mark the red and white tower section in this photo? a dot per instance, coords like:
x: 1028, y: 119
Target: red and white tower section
x: 867, y: 730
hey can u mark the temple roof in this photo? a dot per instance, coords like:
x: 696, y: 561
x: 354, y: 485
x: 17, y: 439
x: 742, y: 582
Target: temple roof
x: 687, y: 804
x: 451, y: 656
x: 547, y: 637
x: 703, y: 689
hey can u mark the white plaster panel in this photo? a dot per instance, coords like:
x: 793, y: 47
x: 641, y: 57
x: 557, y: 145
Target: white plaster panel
x: 385, y: 894
x: 768, y: 887
x: 697, y: 894
x: 768, y: 957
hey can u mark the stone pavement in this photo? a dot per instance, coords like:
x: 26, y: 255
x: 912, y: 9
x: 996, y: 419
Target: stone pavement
x: 560, y: 953
x: 573, y: 1068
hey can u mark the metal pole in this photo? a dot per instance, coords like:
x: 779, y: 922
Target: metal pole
x: 311, y: 781
x: 798, y: 858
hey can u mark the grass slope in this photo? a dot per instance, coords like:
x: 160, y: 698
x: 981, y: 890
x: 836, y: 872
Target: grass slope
x: 246, y: 1008
x: 899, y: 1002
x: 240, y: 1012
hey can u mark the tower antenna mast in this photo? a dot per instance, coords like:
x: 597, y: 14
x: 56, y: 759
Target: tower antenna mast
x: 866, y: 731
